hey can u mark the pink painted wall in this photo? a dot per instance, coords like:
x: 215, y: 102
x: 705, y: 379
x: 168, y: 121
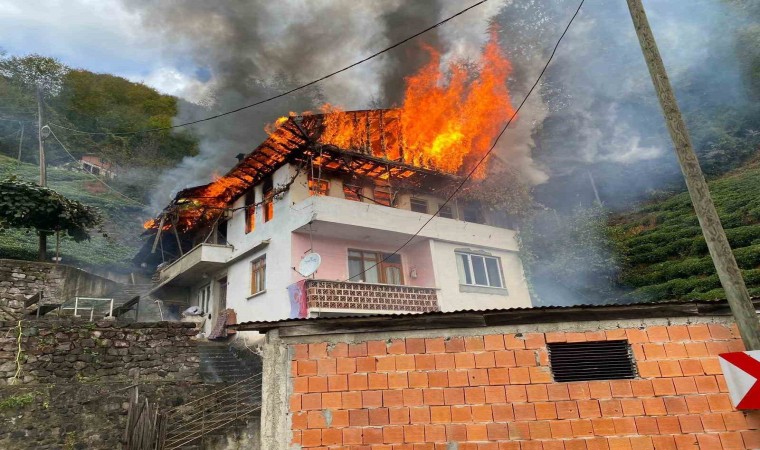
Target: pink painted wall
x: 334, y: 253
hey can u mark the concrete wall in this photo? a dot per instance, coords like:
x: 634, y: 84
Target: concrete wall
x: 20, y: 280
x: 492, y: 388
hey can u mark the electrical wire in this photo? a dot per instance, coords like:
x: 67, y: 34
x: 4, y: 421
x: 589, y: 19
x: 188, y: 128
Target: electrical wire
x: 96, y: 177
x: 485, y: 156
x: 285, y: 93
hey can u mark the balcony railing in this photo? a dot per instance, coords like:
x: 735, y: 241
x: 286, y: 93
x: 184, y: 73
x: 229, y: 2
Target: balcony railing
x: 369, y: 296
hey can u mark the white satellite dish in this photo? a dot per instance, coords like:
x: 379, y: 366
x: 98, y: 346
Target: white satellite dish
x: 309, y: 264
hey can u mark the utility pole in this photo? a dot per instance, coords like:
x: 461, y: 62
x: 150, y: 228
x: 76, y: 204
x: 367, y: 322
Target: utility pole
x: 723, y: 258
x: 42, y: 248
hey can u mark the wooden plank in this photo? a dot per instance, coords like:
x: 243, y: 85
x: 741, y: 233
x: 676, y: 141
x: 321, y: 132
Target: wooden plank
x: 34, y: 299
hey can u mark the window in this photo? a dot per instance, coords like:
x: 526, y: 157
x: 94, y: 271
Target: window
x: 204, y: 299
x: 472, y: 213
x: 479, y: 270
x: 585, y: 361
x: 419, y: 205
x: 319, y: 187
x: 445, y: 211
x: 382, y: 195
x: 368, y: 266
x: 250, y: 211
x: 268, y: 204
x: 352, y: 192
x: 258, y: 275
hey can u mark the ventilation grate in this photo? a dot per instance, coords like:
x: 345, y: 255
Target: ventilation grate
x: 584, y: 361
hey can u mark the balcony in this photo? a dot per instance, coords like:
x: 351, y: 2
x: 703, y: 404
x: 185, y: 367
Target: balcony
x: 190, y: 267
x: 336, y: 295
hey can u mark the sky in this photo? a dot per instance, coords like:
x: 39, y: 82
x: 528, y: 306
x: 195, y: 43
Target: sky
x: 100, y: 36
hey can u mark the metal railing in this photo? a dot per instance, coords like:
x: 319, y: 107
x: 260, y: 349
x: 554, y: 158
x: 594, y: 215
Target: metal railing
x: 91, y: 304
x: 192, y: 421
x: 370, y: 296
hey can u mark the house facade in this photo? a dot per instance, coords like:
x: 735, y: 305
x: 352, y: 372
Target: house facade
x: 355, y: 216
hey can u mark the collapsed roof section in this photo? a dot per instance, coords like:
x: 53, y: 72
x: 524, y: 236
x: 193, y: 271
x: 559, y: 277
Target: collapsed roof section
x: 358, y: 145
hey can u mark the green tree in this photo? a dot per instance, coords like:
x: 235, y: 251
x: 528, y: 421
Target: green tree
x: 26, y: 205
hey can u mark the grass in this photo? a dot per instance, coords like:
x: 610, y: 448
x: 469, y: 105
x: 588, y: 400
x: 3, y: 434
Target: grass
x: 112, y: 249
x: 665, y: 254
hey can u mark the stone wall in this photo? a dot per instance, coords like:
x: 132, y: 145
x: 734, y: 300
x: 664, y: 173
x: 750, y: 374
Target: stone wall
x: 20, y: 280
x: 73, y: 349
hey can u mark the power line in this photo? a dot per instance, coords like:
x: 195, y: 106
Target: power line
x: 485, y: 156
x: 285, y: 93
x: 96, y: 177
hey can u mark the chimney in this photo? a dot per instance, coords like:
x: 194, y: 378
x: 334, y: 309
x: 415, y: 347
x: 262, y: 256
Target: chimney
x: 240, y: 156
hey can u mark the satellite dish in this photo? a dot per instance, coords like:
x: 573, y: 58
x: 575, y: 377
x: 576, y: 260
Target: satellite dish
x: 309, y: 264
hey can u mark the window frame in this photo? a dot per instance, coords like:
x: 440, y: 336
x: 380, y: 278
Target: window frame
x: 204, y: 298
x: 470, y: 267
x: 319, y: 186
x: 449, y: 215
x: 419, y: 202
x: 250, y: 211
x: 267, y: 189
x: 377, y: 257
x: 258, y: 265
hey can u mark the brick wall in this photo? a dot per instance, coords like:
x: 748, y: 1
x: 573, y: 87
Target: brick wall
x: 495, y: 391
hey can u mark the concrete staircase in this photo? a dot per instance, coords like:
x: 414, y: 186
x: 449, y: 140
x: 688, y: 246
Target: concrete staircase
x: 222, y: 363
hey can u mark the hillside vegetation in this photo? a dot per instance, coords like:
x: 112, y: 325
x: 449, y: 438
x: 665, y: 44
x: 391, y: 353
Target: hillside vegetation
x: 665, y: 255
x: 111, y: 249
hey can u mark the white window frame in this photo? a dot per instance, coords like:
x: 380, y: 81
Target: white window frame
x: 204, y: 298
x: 463, y: 278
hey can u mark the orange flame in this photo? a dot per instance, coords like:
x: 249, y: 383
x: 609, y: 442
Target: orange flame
x: 150, y: 223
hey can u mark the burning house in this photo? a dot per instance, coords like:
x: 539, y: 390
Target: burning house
x: 326, y: 215
x: 345, y: 186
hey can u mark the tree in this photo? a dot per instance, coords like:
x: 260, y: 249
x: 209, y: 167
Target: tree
x: 26, y: 205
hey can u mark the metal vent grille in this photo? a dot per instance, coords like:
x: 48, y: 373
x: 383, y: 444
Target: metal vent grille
x: 584, y: 361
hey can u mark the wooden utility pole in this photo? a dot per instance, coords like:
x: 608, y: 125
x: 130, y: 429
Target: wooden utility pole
x: 42, y: 248
x: 717, y: 243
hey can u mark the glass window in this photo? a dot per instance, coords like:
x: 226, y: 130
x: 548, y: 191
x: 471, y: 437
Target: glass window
x: 268, y: 205
x: 419, y: 205
x: 258, y: 275
x: 375, y: 267
x: 472, y: 213
x: 204, y: 298
x: 479, y: 270
x: 250, y: 211
x: 446, y: 211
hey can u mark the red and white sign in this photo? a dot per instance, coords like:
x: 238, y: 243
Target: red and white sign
x: 742, y: 372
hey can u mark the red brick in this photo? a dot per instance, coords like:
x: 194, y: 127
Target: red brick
x: 316, y: 419
x: 456, y: 432
x: 715, y: 348
x: 664, y: 442
x: 311, y: 438
x: 513, y: 342
x: 474, y: 343
x: 711, y: 366
x: 493, y: 342
x: 690, y: 424
x: 372, y: 399
x: 685, y: 385
x: 339, y: 419
x: 366, y: 364
x: 372, y: 436
x: 706, y: 384
x: 438, y: 379
x: 663, y: 386
x: 299, y: 420
x: 332, y: 437
x: 582, y: 427
x: 351, y: 399
x: 567, y: 410
x: 497, y: 431
x: 589, y: 408
x: 326, y: 366
x: 503, y: 413
x: 337, y: 383
x: 415, y: 345
x: 352, y: 436
x: 675, y: 405
x: 575, y: 337
x: 464, y: 360
x: 419, y: 415
x: 619, y: 443
x: 713, y: 422
x: 555, y: 336
x: 524, y: 411
x: 301, y: 385
x: 378, y: 416
x: 670, y: 368
x: 516, y: 394
x: 444, y: 361
x: 719, y: 331
x: 405, y: 362
x: 675, y: 350
x: 731, y: 441
x: 599, y: 335
x: 318, y: 350
x: 560, y: 391
x: 632, y: 407
x: 525, y: 358
x: 440, y: 414
x: 696, y: 349
x: 545, y: 410
x: 418, y: 379
x: 485, y: 360
x: 615, y: 334
x: 648, y: 369
x: 536, y: 392
x: 552, y: 445
x: 424, y: 362
x: 603, y: 426
x: 505, y: 358
x: 646, y: 425
x: 435, y: 433
x: 311, y: 401
x: 735, y: 421
x: 396, y: 347
x: 474, y: 395
x: 307, y: 368
x: 636, y: 336
x: 453, y: 396
x: 358, y: 417
x: 678, y: 333
x: 699, y: 332
x: 412, y: 397
x: 481, y: 413
x: 345, y: 365
x: 719, y: 402
x: 540, y: 430
x: 495, y: 394
x: 332, y: 400
x: 707, y: 441
x: 295, y: 402
x: 461, y: 414
x: 654, y: 406
x: 697, y: 404
x: 751, y: 438
x: 479, y: 377
x: 357, y: 382
x: 657, y: 334
x: 414, y: 433
x: 609, y: 408
x: 600, y: 389
x: 621, y: 388
x: 435, y: 345
x: 432, y: 396
x: 393, y: 398
x: 519, y: 375
x: 458, y: 378
x: 641, y: 442
x: 300, y: 351
x: 561, y: 429
x: 668, y: 425
x: 454, y: 344
x: 398, y: 380
x: 386, y: 363
x: 642, y: 388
